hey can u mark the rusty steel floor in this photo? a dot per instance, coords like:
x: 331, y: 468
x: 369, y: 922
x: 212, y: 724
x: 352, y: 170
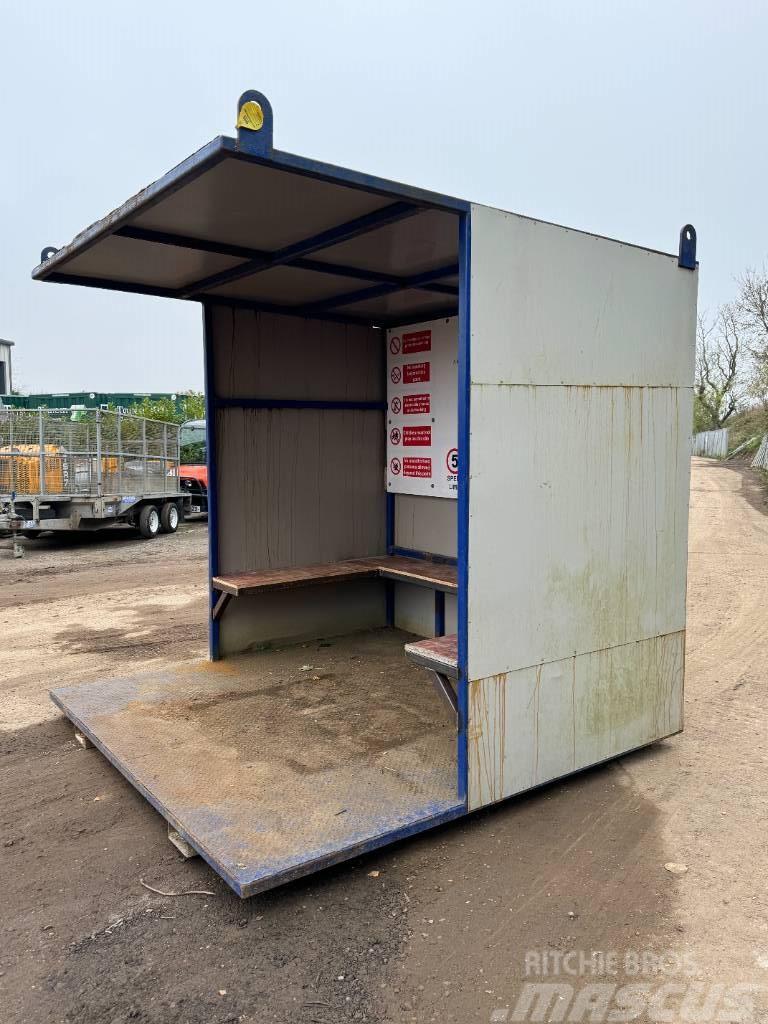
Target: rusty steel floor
x: 280, y: 762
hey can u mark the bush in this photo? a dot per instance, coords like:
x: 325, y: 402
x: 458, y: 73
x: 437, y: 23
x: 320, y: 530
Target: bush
x: 750, y: 423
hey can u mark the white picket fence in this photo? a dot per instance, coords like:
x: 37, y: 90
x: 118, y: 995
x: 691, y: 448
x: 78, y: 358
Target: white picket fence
x: 711, y: 443
x: 760, y: 460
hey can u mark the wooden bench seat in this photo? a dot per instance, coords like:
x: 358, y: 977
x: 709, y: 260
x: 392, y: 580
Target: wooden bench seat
x: 439, y: 655
x: 436, y: 575
x: 238, y: 584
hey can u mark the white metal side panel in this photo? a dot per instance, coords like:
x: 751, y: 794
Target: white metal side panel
x: 555, y: 306
x: 578, y: 521
x: 540, y: 723
x: 580, y: 412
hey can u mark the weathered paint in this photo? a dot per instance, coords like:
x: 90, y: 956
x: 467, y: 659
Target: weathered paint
x: 581, y: 396
x: 539, y: 723
x: 579, y: 521
x: 270, y: 771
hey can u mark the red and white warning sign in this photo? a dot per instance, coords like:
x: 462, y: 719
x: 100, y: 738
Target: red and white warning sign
x: 422, y: 362
x: 416, y: 373
x: 419, y: 437
x: 415, y: 405
x: 420, y: 468
x: 417, y: 341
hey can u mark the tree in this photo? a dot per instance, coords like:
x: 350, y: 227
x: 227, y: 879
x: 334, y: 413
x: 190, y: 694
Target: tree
x: 720, y: 386
x: 752, y: 309
x: 189, y: 406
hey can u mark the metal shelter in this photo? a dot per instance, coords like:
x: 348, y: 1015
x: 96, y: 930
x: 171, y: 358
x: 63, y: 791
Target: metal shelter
x: 540, y: 379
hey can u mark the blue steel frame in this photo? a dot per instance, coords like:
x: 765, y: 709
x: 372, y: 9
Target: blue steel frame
x: 213, y: 490
x: 225, y: 148
x: 465, y: 382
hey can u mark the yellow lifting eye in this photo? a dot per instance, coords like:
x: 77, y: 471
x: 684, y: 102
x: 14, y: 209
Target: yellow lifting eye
x: 251, y: 116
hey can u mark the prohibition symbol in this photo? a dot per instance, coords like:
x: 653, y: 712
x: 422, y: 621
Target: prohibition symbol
x: 396, y: 375
x: 394, y: 346
x: 394, y: 466
x: 452, y: 461
x: 396, y: 405
x: 394, y: 435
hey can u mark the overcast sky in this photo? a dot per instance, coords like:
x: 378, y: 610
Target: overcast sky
x: 623, y: 118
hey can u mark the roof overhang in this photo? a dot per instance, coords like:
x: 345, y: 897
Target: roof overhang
x: 242, y: 224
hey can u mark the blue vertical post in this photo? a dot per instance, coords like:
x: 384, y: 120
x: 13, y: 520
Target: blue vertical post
x: 463, y: 497
x: 439, y: 613
x: 210, y: 448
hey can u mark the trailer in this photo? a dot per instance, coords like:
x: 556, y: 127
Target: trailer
x: 448, y: 469
x: 81, y: 469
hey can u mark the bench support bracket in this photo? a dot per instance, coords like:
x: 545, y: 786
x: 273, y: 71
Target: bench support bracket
x: 445, y: 689
x: 218, y: 609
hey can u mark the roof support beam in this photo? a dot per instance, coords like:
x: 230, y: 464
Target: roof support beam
x: 301, y: 263
x: 167, y: 293
x: 361, y: 294
x: 342, y: 233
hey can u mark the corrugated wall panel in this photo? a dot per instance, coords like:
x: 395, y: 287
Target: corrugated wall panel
x: 426, y: 524
x: 299, y: 486
x: 263, y: 355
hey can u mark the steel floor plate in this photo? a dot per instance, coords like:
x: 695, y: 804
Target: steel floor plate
x: 280, y: 762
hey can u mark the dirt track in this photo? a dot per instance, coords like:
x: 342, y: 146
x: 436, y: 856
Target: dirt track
x: 442, y: 932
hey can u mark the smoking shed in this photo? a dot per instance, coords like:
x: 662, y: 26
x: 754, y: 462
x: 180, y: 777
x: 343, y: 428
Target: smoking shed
x: 447, y: 445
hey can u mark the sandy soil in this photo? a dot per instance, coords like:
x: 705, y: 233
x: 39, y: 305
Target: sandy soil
x: 442, y: 931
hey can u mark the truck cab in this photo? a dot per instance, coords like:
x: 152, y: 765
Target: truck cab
x: 193, y: 471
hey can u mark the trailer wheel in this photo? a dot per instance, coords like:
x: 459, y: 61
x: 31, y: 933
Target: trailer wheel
x: 169, y: 517
x: 149, y: 521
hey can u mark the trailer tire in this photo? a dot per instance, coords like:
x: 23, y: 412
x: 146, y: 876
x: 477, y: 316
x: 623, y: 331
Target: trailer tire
x: 149, y: 521
x: 169, y: 517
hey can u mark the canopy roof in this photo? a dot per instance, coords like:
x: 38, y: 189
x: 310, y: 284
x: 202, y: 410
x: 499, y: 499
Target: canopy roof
x: 276, y: 232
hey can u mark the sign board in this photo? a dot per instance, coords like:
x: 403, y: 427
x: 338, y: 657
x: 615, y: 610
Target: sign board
x: 422, y: 398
